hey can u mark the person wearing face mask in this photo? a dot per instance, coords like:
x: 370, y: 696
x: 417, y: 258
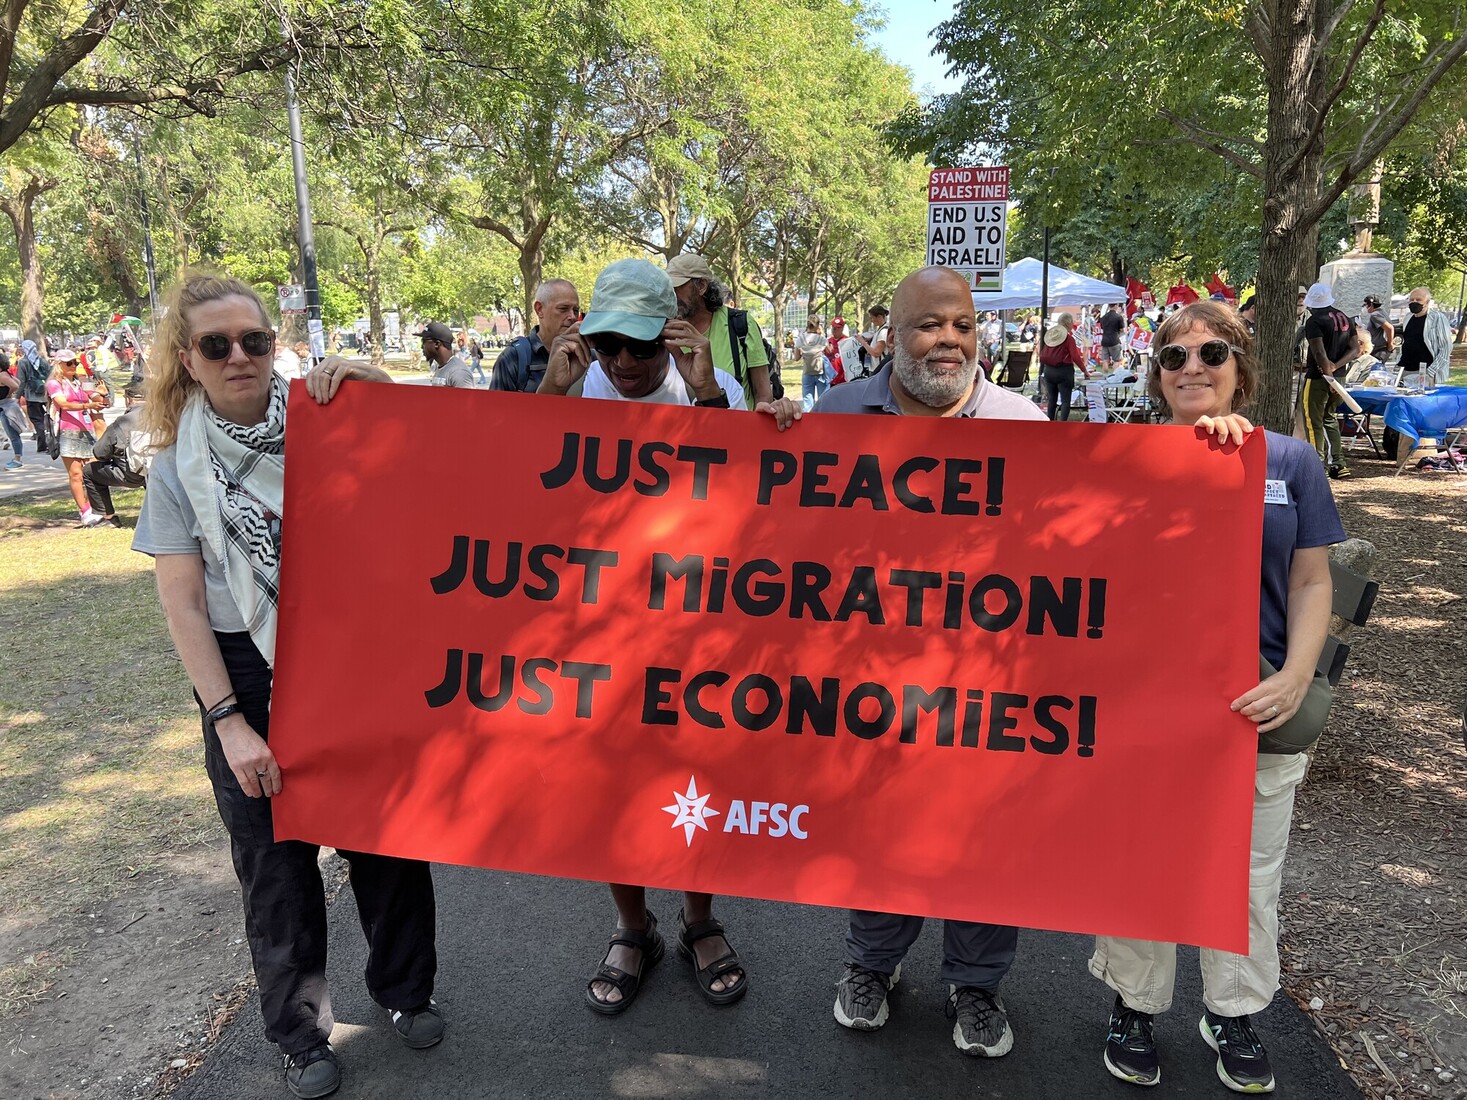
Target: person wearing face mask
x: 1426, y: 343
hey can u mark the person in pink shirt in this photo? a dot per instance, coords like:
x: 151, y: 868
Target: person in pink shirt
x: 74, y: 406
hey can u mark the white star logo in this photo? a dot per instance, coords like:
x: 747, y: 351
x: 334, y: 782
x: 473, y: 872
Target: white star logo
x: 691, y: 810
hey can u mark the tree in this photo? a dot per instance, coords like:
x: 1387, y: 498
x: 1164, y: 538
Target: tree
x: 1301, y: 96
x: 149, y: 53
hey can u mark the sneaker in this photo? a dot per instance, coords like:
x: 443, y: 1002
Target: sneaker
x: 1130, y: 1049
x: 116, y: 521
x: 420, y: 1028
x: 1340, y: 473
x: 982, y: 1027
x: 1242, y: 1063
x: 92, y: 519
x: 315, y: 1072
x: 13, y: 464
x: 860, y: 997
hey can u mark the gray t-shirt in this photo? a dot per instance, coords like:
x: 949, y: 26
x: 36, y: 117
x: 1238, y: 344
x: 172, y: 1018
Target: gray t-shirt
x: 455, y: 372
x: 168, y: 525
x: 873, y: 395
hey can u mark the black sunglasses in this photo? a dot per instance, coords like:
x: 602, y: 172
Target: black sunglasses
x: 215, y: 346
x: 609, y: 345
x: 1211, y: 354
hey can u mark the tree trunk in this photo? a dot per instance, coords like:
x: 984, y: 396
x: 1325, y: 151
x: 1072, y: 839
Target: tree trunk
x: 374, y: 305
x: 532, y: 264
x: 1118, y: 270
x: 1286, y: 247
x: 21, y: 210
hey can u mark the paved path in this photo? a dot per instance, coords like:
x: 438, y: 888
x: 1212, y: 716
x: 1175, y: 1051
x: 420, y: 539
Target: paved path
x: 514, y: 952
x: 40, y: 472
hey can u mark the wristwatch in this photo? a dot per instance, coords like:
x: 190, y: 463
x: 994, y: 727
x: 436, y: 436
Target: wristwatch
x: 719, y: 402
x: 221, y: 712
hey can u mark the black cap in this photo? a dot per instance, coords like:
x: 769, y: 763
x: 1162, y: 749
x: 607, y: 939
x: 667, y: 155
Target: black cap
x: 878, y: 311
x: 436, y: 330
x: 1372, y: 301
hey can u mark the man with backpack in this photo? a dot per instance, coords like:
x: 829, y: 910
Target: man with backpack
x: 33, y: 370
x: 738, y: 345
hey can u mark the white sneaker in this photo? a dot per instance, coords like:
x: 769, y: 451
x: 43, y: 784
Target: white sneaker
x: 93, y: 518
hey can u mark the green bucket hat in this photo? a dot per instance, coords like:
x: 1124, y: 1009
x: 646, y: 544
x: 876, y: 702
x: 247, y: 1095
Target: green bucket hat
x: 631, y: 297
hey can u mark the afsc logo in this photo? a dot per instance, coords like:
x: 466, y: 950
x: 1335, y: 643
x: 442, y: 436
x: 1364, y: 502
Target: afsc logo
x: 773, y: 819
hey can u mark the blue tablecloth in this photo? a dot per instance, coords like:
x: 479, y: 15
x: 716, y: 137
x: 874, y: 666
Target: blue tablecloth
x: 1416, y: 415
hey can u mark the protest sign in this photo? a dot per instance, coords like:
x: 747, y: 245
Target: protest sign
x: 967, y: 224
x: 916, y: 665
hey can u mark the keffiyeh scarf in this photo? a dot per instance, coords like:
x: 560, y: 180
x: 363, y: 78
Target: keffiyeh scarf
x: 234, y: 475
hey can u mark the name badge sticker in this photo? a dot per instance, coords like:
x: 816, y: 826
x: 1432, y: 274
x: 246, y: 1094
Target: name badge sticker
x: 1275, y: 492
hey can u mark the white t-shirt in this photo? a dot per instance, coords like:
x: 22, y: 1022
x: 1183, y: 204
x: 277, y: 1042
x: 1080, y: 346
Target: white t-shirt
x: 673, y: 391
x: 287, y: 363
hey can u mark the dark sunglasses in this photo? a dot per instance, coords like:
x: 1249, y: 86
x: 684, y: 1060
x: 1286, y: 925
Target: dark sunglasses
x: 609, y: 345
x: 215, y: 346
x: 1211, y: 354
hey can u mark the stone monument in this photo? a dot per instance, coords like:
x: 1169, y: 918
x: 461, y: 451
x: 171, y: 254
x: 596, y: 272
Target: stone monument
x: 1360, y: 271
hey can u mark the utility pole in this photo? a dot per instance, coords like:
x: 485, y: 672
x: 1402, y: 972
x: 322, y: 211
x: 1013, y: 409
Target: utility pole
x: 304, y: 235
x: 137, y: 153
x: 1044, y: 287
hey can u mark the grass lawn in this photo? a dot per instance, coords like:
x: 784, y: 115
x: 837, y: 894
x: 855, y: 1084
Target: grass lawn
x: 99, y: 739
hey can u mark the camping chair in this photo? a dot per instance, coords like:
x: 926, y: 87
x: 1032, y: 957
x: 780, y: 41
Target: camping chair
x: 1015, y: 370
x: 1354, y: 599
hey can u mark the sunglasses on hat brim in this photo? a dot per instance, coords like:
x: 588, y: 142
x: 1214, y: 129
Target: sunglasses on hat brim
x: 1210, y: 353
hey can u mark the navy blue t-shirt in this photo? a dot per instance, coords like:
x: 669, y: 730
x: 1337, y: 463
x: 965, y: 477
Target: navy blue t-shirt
x: 1309, y: 518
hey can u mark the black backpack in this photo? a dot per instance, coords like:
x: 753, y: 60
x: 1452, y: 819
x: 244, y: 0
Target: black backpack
x: 738, y: 332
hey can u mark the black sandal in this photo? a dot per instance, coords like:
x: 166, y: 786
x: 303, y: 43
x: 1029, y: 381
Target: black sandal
x: 652, y: 946
x: 707, y: 975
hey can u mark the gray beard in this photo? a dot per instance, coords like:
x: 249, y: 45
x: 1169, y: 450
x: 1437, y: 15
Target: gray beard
x: 935, y: 390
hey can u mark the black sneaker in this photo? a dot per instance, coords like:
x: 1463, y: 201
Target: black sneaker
x: 1130, y: 1048
x: 860, y: 997
x: 982, y: 1026
x: 1340, y: 473
x: 315, y: 1072
x: 1242, y: 1063
x: 421, y: 1028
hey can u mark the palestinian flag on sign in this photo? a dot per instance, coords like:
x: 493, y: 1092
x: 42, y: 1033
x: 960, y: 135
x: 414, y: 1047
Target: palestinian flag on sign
x: 126, y: 319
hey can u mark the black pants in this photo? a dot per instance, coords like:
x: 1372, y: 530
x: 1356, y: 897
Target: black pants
x: 1060, y: 379
x: 284, y: 901
x: 35, y: 408
x: 98, y: 477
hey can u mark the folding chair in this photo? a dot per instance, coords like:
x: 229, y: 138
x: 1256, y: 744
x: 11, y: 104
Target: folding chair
x: 1355, y: 426
x: 1123, y: 402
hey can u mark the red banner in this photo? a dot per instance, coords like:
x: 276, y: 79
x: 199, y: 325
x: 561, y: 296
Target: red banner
x: 953, y: 668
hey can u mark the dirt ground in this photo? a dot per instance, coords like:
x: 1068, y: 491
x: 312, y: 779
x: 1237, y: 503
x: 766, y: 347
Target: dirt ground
x: 121, y: 941
x: 1375, y: 926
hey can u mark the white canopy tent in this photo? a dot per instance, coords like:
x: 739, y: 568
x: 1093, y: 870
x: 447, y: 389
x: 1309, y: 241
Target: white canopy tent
x: 1022, y: 283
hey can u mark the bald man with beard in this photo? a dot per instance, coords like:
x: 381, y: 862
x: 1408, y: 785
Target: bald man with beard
x: 933, y: 372
x: 934, y: 367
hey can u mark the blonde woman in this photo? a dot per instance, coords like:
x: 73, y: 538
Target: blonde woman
x: 74, y: 407
x: 212, y: 519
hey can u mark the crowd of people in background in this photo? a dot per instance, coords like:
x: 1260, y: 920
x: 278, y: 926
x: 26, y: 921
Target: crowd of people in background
x: 59, y: 393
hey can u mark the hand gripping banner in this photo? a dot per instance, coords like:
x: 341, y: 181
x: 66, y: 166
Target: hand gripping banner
x: 958, y: 668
